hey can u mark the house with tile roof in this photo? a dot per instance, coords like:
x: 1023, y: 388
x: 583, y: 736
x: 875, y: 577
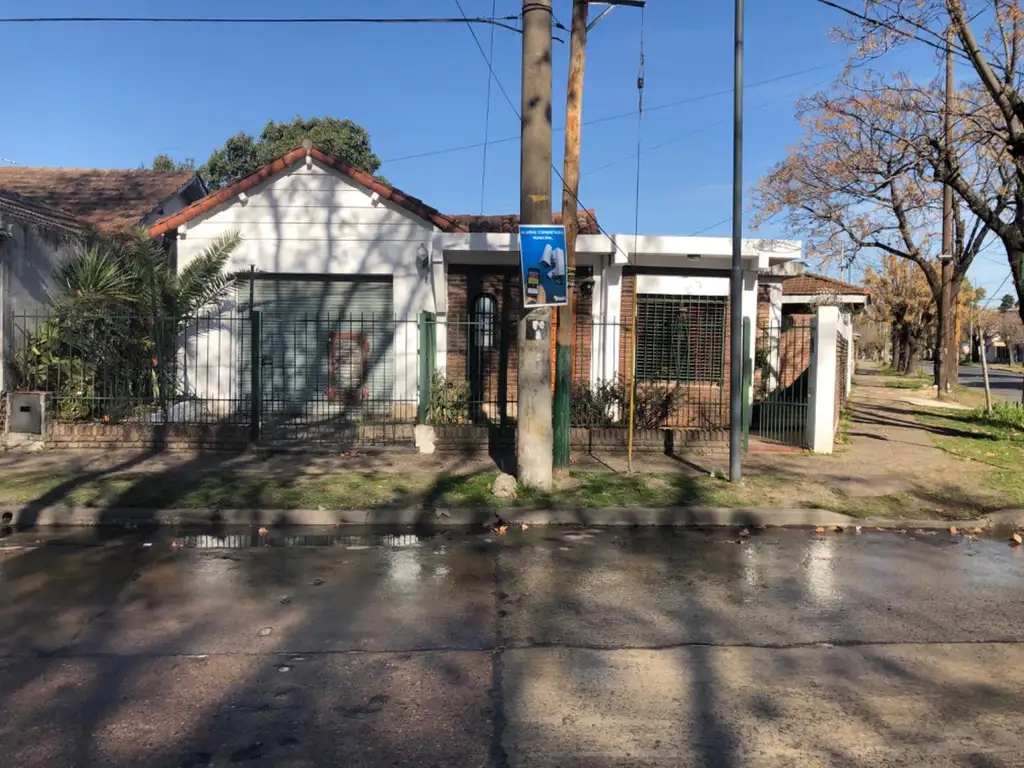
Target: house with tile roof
x: 342, y: 267
x: 109, y: 199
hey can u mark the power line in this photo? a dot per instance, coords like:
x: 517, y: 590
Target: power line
x: 495, y: 21
x: 726, y: 220
x: 487, y: 108
x: 620, y: 116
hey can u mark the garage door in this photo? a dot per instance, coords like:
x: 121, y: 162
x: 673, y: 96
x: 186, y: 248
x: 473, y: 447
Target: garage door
x: 326, y: 347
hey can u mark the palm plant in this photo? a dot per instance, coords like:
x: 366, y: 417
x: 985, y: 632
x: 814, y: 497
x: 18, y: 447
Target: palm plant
x: 120, y: 308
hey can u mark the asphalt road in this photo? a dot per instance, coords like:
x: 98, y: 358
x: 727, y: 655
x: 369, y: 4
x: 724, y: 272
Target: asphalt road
x: 1005, y: 386
x: 538, y: 648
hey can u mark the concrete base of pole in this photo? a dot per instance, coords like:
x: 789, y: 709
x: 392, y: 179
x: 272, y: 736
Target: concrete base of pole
x: 534, y: 417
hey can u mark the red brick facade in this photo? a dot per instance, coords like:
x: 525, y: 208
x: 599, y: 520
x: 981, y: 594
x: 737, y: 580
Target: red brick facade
x: 492, y: 368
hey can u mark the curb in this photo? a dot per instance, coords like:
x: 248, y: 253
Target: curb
x: 28, y: 517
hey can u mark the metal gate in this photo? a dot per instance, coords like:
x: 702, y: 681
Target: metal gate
x: 782, y: 362
x: 334, y: 364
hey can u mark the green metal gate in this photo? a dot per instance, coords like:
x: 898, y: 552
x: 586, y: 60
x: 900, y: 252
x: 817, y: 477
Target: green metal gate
x: 326, y: 356
x: 782, y: 361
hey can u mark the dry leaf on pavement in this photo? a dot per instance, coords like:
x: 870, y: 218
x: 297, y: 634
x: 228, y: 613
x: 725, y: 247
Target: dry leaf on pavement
x: 819, y: 529
x: 953, y: 531
x: 523, y: 526
x: 1017, y: 539
x: 977, y: 530
x: 263, y: 531
x: 744, y: 533
x: 500, y: 530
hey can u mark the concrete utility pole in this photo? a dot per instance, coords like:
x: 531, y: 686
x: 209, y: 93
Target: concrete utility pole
x: 570, y: 190
x: 533, y: 417
x: 736, y: 276
x: 947, y: 344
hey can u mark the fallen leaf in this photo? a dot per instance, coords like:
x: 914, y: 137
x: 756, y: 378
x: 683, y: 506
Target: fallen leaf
x: 1017, y: 539
x: 501, y: 530
x: 977, y: 530
x: 878, y: 528
x: 263, y: 531
x: 900, y: 530
x: 523, y: 526
x: 175, y: 544
x: 857, y: 529
x: 919, y: 531
x: 744, y: 533
x: 953, y: 531
x: 972, y: 537
x: 819, y: 529
x: 838, y: 529
x: 265, y: 632
x: 318, y: 582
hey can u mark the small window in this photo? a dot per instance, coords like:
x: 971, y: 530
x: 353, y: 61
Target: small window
x: 484, y: 315
x: 680, y: 338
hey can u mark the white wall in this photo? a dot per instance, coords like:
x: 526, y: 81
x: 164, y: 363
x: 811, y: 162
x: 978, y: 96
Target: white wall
x: 312, y: 221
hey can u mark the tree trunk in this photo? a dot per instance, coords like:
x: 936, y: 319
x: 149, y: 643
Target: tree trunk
x: 913, y: 356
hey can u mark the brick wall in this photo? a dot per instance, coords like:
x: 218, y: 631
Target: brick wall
x: 230, y: 437
x: 497, y: 373
x: 673, y: 442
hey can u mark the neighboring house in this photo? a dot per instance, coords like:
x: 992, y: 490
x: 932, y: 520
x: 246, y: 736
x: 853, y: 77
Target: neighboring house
x: 344, y: 265
x: 33, y: 240
x: 997, y: 350
x: 108, y: 199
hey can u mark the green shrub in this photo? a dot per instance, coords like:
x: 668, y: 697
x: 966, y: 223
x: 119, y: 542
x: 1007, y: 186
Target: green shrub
x: 449, y: 400
x: 654, y: 403
x: 1006, y: 415
x: 598, y: 406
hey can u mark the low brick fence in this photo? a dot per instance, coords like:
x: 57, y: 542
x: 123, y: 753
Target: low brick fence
x: 673, y: 442
x: 222, y: 437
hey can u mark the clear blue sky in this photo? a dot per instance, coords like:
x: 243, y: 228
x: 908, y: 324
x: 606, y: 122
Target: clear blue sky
x: 116, y: 95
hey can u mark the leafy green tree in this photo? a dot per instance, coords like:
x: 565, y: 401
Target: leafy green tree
x: 166, y: 163
x: 242, y: 154
x: 1007, y: 302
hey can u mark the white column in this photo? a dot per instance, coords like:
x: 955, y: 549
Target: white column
x: 749, y: 309
x: 611, y: 321
x: 821, y: 406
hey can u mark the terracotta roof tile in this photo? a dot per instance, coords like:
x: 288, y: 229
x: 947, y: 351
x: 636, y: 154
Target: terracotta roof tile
x: 509, y: 223
x: 412, y: 204
x: 30, y: 211
x: 814, y: 285
x: 110, y: 199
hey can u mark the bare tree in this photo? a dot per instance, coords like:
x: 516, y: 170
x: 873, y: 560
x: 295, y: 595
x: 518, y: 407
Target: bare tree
x: 989, y: 112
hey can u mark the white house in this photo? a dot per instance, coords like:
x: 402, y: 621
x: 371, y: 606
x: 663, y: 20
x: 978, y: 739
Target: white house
x: 343, y: 265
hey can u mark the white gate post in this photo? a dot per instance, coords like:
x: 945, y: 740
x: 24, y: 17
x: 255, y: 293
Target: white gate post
x: 821, y: 406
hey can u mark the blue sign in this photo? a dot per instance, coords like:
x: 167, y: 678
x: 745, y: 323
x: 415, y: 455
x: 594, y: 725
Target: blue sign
x: 542, y: 259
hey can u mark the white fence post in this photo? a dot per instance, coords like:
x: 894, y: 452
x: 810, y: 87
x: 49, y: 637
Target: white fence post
x: 822, y: 386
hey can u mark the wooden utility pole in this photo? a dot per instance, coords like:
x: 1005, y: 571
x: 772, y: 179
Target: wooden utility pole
x: 570, y: 191
x: 533, y: 417
x: 946, y: 340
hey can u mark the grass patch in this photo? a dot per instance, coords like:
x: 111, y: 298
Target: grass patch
x: 368, y: 490
x: 909, y: 382
x: 995, y: 443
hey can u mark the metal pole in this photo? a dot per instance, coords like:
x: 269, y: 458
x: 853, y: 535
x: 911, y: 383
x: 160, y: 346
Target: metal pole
x: 736, y: 276
x: 533, y: 425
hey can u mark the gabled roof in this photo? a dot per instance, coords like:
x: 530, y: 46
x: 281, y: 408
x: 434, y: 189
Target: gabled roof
x: 31, y: 212
x: 817, y: 285
x: 109, y: 199
x: 412, y: 204
x: 509, y: 224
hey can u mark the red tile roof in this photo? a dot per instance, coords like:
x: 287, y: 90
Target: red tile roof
x: 23, y: 209
x: 444, y: 222
x: 110, y: 199
x: 414, y: 205
x: 510, y: 223
x: 815, y: 285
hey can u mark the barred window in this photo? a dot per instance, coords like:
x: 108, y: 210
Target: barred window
x: 680, y: 338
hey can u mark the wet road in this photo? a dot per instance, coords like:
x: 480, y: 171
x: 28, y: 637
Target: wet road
x: 538, y: 648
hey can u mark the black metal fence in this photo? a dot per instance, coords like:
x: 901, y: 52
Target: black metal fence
x: 115, y: 368
x: 339, y: 379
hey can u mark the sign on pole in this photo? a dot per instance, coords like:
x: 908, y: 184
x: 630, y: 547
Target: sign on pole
x: 542, y: 260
